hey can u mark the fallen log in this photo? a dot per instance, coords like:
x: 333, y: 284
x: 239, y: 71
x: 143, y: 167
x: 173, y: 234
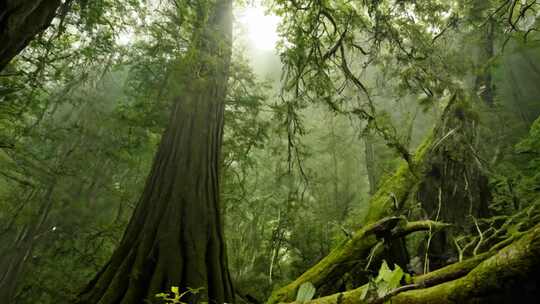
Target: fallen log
x: 352, y: 253
x: 509, y: 275
x: 451, y: 272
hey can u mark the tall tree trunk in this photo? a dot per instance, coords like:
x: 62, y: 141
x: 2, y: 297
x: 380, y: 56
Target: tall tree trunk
x: 20, y: 22
x: 175, y: 236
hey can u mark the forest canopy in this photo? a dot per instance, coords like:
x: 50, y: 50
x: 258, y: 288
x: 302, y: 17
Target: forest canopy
x: 269, y: 151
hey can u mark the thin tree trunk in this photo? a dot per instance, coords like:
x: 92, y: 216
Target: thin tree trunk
x: 175, y: 237
x: 276, y: 247
x: 14, y: 258
x: 335, y: 162
x: 20, y: 22
x: 371, y: 166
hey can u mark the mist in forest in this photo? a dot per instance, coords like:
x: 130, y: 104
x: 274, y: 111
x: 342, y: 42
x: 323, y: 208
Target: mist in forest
x: 269, y: 151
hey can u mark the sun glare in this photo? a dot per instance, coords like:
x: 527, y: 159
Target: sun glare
x: 261, y: 28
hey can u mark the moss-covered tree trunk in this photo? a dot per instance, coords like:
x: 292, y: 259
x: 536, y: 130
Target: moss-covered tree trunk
x: 175, y: 237
x: 444, y: 183
x: 454, y: 187
x: 20, y: 22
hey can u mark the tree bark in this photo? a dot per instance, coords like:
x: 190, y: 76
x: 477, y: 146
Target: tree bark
x: 20, y: 22
x: 175, y: 236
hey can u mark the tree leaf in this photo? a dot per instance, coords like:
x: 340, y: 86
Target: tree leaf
x: 305, y: 292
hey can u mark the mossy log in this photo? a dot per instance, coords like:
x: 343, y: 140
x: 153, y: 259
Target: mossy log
x: 440, y: 167
x: 509, y: 275
x: 452, y: 271
x: 352, y: 254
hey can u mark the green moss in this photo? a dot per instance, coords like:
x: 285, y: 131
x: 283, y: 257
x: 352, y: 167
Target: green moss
x: 485, y: 283
x: 335, y: 264
x: 452, y: 271
x: 514, y: 263
x: 399, y: 185
x: 396, y: 193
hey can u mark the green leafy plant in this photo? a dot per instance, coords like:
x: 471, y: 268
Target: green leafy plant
x: 305, y: 292
x: 175, y: 296
x: 386, y: 281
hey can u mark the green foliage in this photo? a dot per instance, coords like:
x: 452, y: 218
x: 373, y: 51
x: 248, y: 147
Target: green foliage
x: 515, y: 205
x: 529, y: 148
x: 76, y: 146
x: 531, y: 144
x: 515, y: 182
x: 265, y: 200
x: 386, y: 281
x: 83, y: 108
x: 176, y: 297
x: 305, y: 293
